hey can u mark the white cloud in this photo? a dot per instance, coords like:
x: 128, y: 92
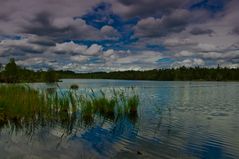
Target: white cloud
x: 74, y: 48
x: 94, y: 49
x: 171, y: 42
x: 69, y: 47
x: 79, y: 58
x: 108, y: 53
x: 211, y: 55
x: 206, y: 47
x: 141, y: 57
x: 184, y: 53
x: 189, y: 63
x: 109, y: 32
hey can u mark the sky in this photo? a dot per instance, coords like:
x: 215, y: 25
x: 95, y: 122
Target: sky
x: 118, y: 35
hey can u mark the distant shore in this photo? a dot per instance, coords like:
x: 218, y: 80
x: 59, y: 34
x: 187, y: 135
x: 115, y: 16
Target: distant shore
x: 13, y: 73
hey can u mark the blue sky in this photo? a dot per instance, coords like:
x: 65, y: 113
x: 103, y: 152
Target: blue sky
x: 110, y: 35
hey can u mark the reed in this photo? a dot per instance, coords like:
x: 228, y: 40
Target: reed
x: 132, y: 104
x: 74, y: 87
x: 23, y: 106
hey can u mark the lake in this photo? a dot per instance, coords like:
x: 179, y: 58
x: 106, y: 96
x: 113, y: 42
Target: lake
x: 192, y: 120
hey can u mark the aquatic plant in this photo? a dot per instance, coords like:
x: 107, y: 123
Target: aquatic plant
x: 74, y: 87
x: 103, y: 105
x: 25, y: 107
x: 132, y: 104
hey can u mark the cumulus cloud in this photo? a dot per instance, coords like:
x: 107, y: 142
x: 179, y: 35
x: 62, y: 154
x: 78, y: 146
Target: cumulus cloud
x: 73, y: 54
x: 184, y: 53
x: 174, y: 42
x: 108, y: 53
x: 119, y: 34
x: 20, y: 47
x: 206, y: 47
x: 16, y: 14
x: 68, y: 48
x: 79, y: 58
x: 109, y: 32
x: 156, y: 27
x: 60, y: 29
x: 142, y: 57
x: 55, y: 20
x: 211, y: 55
x: 94, y: 49
x: 130, y: 8
x: 72, y: 48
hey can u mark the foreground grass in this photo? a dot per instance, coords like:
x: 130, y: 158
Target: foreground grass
x: 22, y: 107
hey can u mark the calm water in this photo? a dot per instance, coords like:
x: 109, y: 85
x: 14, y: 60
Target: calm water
x: 175, y: 120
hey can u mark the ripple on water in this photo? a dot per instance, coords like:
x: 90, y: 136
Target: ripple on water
x: 176, y: 120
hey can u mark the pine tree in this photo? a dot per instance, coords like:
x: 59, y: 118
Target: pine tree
x: 11, y: 72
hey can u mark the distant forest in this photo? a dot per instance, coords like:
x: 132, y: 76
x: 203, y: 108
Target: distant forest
x: 12, y: 73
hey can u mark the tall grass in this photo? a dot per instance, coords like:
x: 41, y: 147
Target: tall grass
x: 24, y: 107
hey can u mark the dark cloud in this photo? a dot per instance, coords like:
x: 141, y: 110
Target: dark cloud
x: 41, y: 25
x: 29, y: 49
x: 22, y: 50
x: 200, y: 31
x: 43, y: 42
x: 236, y: 30
x: 234, y: 47
x: 4, y: 17
x: 157, y: 27
x: 210, y: 5
x: 44, y: 24
x: 127, y: 2
x: 118, y: 34
x: 36, y: 17
x: 151, y: 7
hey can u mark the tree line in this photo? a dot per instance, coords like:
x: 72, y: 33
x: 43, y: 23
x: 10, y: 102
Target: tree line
x: 173, y: 74
x: 12, y: 73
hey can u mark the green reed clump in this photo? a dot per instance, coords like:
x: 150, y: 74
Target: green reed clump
x: 132, y: 104
x: 103, y: 105
x: 74, y: 87
x: 22, y: 107
x: 20, y: 101
x: 26, y: 107
x: 87, y: 112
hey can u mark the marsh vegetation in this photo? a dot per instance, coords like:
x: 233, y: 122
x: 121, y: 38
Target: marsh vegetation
x: 24, y: 107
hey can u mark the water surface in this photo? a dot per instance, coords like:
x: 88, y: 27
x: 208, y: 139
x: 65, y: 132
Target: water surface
x: 175, y: 120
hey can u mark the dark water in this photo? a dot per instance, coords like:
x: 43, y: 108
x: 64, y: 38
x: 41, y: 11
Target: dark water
x: 175, y: 120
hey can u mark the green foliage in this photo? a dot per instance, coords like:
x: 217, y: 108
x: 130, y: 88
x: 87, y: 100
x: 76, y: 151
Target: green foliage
x: 11, y: 72
x: 1, y: 67
x: 15, y: 74
x: 50, y: 76
x: 177, y: 74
